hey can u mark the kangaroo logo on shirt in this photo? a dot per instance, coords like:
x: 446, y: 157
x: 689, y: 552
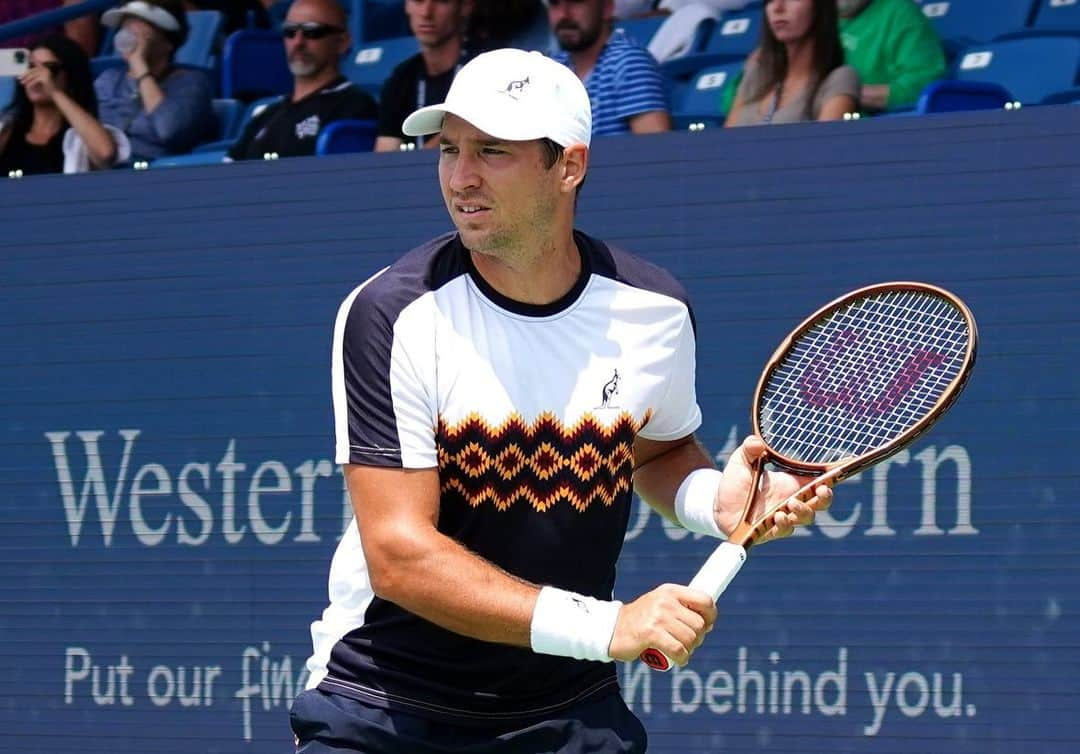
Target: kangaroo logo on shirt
x: 517, y: 88
x: 610, y: 390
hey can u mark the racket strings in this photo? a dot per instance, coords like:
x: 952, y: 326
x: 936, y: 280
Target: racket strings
x: 863, y: 375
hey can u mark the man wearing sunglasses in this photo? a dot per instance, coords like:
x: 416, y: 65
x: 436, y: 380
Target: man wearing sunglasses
x: 315, y: 39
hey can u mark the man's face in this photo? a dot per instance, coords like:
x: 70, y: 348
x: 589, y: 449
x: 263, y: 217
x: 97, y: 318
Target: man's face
x: 314, y: 39
x: 435, y: 22
x: 499, y: 194
x: 577, y: 24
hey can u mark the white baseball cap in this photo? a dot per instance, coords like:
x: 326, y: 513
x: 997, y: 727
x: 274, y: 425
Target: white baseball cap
x: 513, y: 95
x: 149, y: 12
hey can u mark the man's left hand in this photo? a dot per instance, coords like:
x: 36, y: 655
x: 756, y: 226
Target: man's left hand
x: 774, y: 487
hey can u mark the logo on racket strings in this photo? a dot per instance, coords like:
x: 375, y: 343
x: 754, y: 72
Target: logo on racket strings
x: 825, y: 383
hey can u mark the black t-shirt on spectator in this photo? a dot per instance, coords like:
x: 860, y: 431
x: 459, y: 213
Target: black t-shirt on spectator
x: 291, y: 128
x: 33, y: 159
x: 409, y: 88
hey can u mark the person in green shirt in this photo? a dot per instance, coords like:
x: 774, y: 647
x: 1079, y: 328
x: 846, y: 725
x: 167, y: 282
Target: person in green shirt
x: 894, y: 49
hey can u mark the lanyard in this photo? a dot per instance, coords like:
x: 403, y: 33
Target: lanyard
x: 421, y: 93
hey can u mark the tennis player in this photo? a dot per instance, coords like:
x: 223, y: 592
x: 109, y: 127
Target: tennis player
x: 499, y: 392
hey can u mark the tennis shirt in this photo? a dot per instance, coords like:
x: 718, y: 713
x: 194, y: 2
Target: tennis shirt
x: 529, y: 413
x: 626, y: 81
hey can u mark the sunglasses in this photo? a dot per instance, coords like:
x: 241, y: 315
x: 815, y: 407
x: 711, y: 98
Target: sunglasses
x: 309, y: 30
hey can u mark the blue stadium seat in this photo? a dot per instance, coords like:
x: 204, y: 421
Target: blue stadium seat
x: 736, y: 34
x: 213, y: 157
x: 200, y: 48
x: 228, y: 113
x: 372, y: 20
x: 640, y: 30
x: 253, y: 65
x: 1057, y: 15
x: 1031, y: 68
x: 7, y: 90
x: 250, y: 111
x: 1067, y: 97
x: 372, y: 62
x: 698, y: 101
x: 961, y: 23
x: 347, y: 136
x: 950, y: 96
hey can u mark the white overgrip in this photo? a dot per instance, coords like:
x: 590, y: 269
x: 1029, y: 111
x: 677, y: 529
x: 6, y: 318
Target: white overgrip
x: 718, y: 571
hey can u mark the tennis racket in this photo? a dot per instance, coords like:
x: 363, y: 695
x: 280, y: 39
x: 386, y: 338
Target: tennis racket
x: 857, y: 381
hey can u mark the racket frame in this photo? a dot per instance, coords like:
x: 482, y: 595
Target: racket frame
x: 728, y: 558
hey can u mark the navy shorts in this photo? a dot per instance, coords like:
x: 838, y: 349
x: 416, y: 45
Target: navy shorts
x: 326, y: 723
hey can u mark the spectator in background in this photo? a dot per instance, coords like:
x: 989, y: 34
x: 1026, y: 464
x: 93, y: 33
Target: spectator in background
x: 893, y: 47
x: 54, y: 108
x: 315, y: 39
x: 424, y: 79
x: 84, y: 30
x: 626, y: 88
x: 162, y: 109
x: 798, y: 72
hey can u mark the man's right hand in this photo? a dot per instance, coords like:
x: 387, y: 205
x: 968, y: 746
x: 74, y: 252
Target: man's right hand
x: 671, y: 618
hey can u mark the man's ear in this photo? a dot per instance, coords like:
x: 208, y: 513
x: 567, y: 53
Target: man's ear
x: 575, y: 163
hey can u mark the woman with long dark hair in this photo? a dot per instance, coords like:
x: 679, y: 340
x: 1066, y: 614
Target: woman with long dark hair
x: 54, y: 108
x: 798, y: 72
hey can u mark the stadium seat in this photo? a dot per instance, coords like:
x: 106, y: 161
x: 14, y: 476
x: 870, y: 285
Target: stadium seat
x: 950, y: 96
x: 961, y: 23
x: 699, y: 100
x: 228, y: 113
x: 347, y: 136
x: 249, y: 112
x: 253, y: 65
x: 373, y: 20
x: 736, y: 34
x: 1031, y: 68
x: 209, y: 157
x: 7, y: 90
x: 641, y: 30
x: 200, y: 48
x: 372, y: 62
x: 1057, y: 15
x: 1066, y: 97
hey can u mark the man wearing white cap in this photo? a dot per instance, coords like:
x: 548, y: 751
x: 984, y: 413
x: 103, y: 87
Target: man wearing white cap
x: 162, y: 109
x: 498, y: 394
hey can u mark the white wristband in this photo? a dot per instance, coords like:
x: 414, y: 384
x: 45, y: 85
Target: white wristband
x: 573, y: 625
x: 695, y: 502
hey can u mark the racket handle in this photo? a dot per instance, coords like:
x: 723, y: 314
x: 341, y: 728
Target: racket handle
x: 713, y: 578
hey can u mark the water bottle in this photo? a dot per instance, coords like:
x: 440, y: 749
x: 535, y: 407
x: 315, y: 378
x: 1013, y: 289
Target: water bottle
x: 125, y: 41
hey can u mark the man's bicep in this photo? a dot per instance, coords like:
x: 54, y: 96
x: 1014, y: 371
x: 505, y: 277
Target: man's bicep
x: 385, y: 498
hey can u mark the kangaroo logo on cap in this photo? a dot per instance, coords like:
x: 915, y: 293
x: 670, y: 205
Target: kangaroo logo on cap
x: 515, y: 88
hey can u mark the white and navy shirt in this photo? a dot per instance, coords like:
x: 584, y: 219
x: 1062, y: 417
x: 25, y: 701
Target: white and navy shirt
x: 625, y: 82
x: 529, y: 413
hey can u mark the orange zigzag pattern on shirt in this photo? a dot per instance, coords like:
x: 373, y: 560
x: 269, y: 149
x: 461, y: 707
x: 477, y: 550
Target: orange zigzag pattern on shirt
x: 538, y: 463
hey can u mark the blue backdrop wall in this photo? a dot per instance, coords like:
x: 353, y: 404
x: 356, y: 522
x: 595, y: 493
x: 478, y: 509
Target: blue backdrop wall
x: 169, y: 505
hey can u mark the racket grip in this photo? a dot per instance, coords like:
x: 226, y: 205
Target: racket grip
x: 712, y: 578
